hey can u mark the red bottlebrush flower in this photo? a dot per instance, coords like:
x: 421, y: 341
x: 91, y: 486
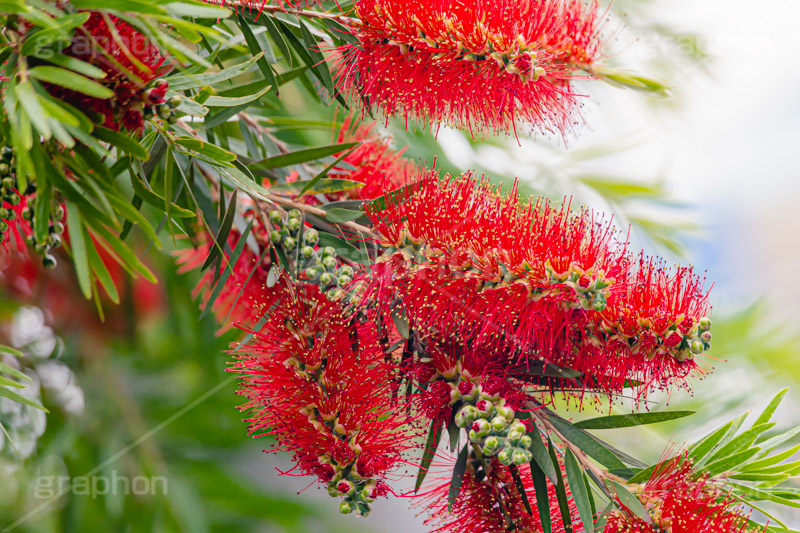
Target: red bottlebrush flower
x: 534, y: 282
x: 485, y: 65
x: 489, y: 501
x: 680, y: 500
x: 374, y: 163
x: 131, y: 63
x: 318, y: 382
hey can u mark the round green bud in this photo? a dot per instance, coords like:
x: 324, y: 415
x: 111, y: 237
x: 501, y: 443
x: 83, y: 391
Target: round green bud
x: 3, y: 226
x: 329, y: 251
x: 518, y: 427
x: 172, y: 119
x: 332, y: 490
x: 474, y: 437
x: 466, y: 416
x: 704, y: 323
x: 492, y: 442
x: 326, y: 278
x: 175, y: 100
x: 706, y: 337
x: 57, y: 227
x: 329, y: 262
x: 311, y: 236
x: 49, y: 262
x: 334, y: 294
x: 6, y: 152
x: 5, y: 214
x: 148, y: 113
x: 295, y: 213
x: 293, y: 224
x: 482, y: 426
x: 697, y: 347
x: 454, y: 394
x: 312, y: 272
x: 346, y: 270
x: 499, y: 423
x: 505, y: 456
x: 164, y: 111
x: 5, y: 169
x: 520, y: 456
x: 307, y: 252
x: 599, y: 302
x: 29, y: 240
x: 506, y: 412
x: 11, y: 215
x: 57, y: 212
x: 27, y: 213
x: 53, y: 240
x: 40, y: 248
x: 364, y: 509
x: 344, y: 280
x: 525, y: 442
x: 366, y: 494
x: 275, y: 236
x: 289, y: 243
x: 347, y: 507
x: 8, y: 183
x: 13, y: 199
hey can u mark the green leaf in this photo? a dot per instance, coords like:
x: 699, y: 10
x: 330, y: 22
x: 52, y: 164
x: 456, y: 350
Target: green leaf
x: 222, y: 101
x: 763, y: 495
x: 13, y: 372
x: 434, y: 434
x: 728, y: 463
x: 221, y: 239
x: 542, y: 496
x: 121, y: 141
x: 765, y: 416
x: 324, y: 172
x: 561, y: 491
x: 193, y: 81
x: 5, y: 382
x: 229, y: 265
x: 187, y: 9
x: 744, y: 440
x: 10, y: 351
x: 128, y: 259
x: 586, y: 442
x: 210, y: 150
x: 541, y: 457
x: 11, y: 395
x: 458, y: 476
x: 577, y: 485
x: 81, y: 67
x: 254, y: 47
x: 643, y: 475
x: 30, y: 104
x: 703, y: 447
x: 300, y: 156
x: 770, y: 444
x: 633, y: 419
x: 755, y: 466
x: 101, y: 273
x: 336, y: 215
x: 550, y: 370
x: 70, y: 80
x: 520, y: 488
x: 323, y: 186
x: 629, y: 501
x: 146, y: 194
x: 78, y: 244
x: 397, y: 196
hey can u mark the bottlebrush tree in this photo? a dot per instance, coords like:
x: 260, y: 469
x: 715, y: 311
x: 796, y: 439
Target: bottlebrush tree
x: 406, y: 330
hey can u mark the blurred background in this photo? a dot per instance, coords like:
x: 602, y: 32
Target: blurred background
x: 709, y: 176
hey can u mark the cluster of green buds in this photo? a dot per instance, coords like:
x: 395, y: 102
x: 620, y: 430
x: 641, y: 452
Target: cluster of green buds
x: 492, y: 426
x: 8, y: 188
x: 356, y: 491
x: 592, y: 288
x: 320, y: 265
x: 54, y: 231
x: 696, y: 341
x: 157, y: 106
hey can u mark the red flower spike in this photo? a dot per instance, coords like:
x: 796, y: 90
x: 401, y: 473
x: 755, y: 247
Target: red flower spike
x: 491, y: 502
x: 484, y: 65
x: 475, y: 268
x: 318, y: 383
x: 373, y: 163
x: 131, y: 62
x: 680, y: 500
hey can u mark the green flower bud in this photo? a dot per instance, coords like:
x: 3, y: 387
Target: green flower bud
x: 49, y: 262
x: 525, y: 442
x: 3, y: 226
x: 329, y: 251
x: 27, y: 213
x: 704, y: 323
x: 174, y: 101
x: 697, y: 347
x: 332, y: 491
x: 364, y: 509
x: 466, y: 416
x: 326, y: 278
x: 520, y: 456
x: 57, y: 212
x: 499, y: 423
x: 275, y: 216
x: 5, y: 214
x: 53, y: 240
x: 492, y: 442
x: 345, y: 487
x: 289, y: 243
x: 13, y: 199
x: 293, y: 224
x: 307, y: 252
x: 366, y: 494
x: 5, y: 169
x: 482, y: 427
x: 474, y: 437
x: 8, y: 183
x: 599, y: 302
x: 454, y: 395
x: 347, y: 507
x: 57, y: 228
x: 329, y: 262
x: 485, y: 408
x: 344, y: 280
x: 334, y: 294
x: 172, y: 119
x: 275, y: 236
x: 164, y: 111
x: 706, y: 337
x: 518, y: 427
x: 346, y: 270
x: 311, y: 236
x: 295, y: 213
x: 506, y: 412
x: 505, y: 456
